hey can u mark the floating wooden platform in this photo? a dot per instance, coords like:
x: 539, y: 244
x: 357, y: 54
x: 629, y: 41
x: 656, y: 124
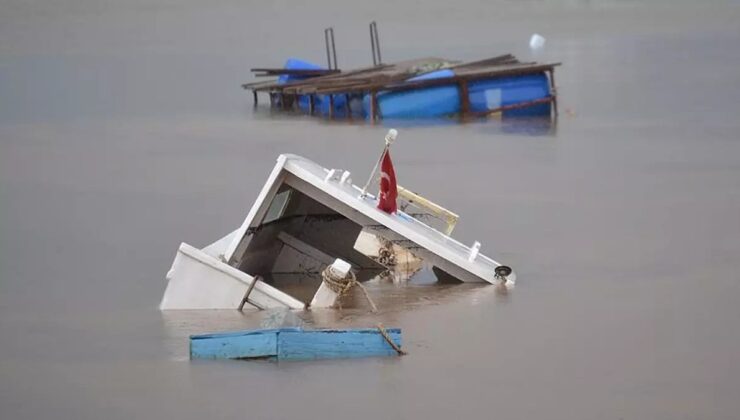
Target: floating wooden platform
x: 297, y: 344
x: 334, y: 85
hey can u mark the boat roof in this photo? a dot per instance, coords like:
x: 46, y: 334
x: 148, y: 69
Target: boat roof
x: 341, y: 194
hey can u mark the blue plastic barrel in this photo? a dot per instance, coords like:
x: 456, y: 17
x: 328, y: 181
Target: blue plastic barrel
x: 489, y: 94
x: 484, y: 95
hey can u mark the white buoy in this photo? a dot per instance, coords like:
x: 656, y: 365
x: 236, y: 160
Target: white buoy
x: 391, y: 136
x: 536, y: 42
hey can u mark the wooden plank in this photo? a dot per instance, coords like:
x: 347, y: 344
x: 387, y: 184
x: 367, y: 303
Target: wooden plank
x: 258, y: 85
x: 385, y: 73
x: 336, y: 344
x: 553, y: 92
x: 295, y: 344
x: 236, y: 345
x: 293, y: 72
x: 498, y: 60
x: 401, y: 85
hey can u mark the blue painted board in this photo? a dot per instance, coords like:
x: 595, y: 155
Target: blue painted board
x: 336, y: 344
x: 235, y: 345
x: 294, y: 344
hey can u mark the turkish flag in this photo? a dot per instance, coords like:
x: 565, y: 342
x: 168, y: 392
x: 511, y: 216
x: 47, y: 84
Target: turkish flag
x: 388, y: 188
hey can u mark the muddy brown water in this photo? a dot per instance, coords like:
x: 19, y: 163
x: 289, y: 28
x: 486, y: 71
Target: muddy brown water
x: 123, y: 132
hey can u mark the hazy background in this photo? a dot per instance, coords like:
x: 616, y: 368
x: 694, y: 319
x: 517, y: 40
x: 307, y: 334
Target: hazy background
x: 123, y: 131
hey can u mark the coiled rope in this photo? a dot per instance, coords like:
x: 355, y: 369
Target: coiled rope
x: 341, y: 285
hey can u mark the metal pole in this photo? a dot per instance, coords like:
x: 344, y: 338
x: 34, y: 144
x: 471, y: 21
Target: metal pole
x: 377, y: 42
x: 326, y: 41
x: 389, y: 139
x: 334, y: 49
x: 372, y: 44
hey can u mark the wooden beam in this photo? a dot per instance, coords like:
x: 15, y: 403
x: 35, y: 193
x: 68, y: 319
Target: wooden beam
x: 374, y: 112
x: 462, y: 88
x: 553, y: 92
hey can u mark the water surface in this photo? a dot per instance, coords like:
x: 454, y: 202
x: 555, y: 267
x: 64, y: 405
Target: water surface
x: 123, y: 132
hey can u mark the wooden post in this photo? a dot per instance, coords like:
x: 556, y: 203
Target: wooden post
x: 254, y: 93
x: 311, y: 104
x: 462, y: 88
x: 331, y: 106
x: 346, y: 106
x: 553, y: 92
x: 373, y: 105
x: 326, y: 297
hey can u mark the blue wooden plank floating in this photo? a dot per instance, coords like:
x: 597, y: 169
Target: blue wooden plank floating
x: 336, y: 344
x: 295, y: 344
x: 235, y: 345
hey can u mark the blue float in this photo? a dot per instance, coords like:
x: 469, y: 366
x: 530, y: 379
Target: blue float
x: 484, y: 95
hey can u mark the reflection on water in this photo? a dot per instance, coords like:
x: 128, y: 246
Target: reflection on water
x: 495, y: 124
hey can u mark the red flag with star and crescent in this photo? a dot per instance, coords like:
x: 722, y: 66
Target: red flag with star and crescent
x: 388, y: 187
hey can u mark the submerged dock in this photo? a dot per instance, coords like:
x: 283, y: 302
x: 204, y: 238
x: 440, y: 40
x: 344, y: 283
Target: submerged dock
x: 357, y: 93
x: 420, y: 88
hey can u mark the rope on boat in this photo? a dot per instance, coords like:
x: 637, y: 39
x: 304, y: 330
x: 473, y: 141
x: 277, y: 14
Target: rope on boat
x: 387, y: 337
x: 386, y: 254
x: 342, y: 285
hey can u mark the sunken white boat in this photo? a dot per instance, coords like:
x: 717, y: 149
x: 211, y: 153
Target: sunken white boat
x: 305, y: 217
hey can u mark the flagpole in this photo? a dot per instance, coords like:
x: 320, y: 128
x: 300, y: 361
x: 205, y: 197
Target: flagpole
x: 389, y: 139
